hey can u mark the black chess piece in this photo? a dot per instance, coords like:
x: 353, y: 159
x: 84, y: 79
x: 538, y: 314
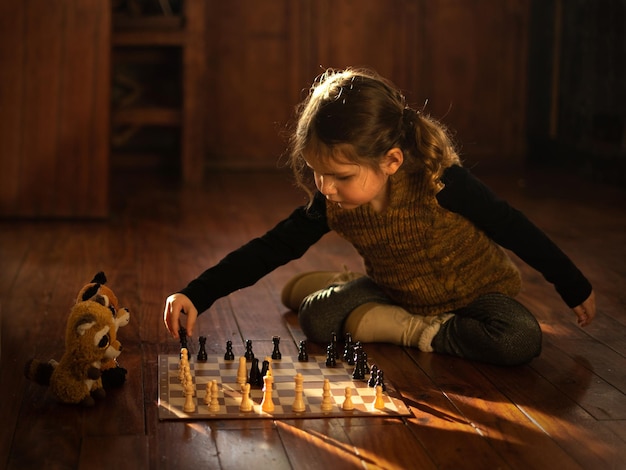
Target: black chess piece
x: 249, y: 355
x: 265, y: 369
x: 333, y: 342
x: 359, y: 370
x: 380, y: 380
x: 202, y: 355
x: 366, y: 367
x: 348, y: 349
x: 330, y: 356
x: 373, y: 371
x: 276, y: 352
x: 229, y: 355
x: 303, y: 356
x: 256, y: 378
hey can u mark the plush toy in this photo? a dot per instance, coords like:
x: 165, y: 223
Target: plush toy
x: 90, y: 343
x: 113, y: 375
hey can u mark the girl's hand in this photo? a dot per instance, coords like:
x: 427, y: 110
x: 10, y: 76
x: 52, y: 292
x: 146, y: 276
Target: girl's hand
x: 587, y: 310
x: 176, y: 304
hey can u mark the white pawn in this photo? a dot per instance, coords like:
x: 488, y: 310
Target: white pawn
x: 298, y: 402
x: 327, y: 404
x: 214, y: 405
x: 189, y: 406
x: 347, y: 403
x: 246, y: 402
x: 207, y: 393
x: 379, y: 402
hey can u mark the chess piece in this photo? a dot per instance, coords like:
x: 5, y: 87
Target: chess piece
x: 265, y: 368
x: 380, y: 380
x: 249, y: 355
x: 333, y: 343
x: 327, y: 403
x: 298, y: 402
x: 330, y: 356
x: 379, y: 402
x: 256, y: 378
x: 303, y: 356
x: 276, y: 355
x: 207, y: 393
x: 228, y: 355
x: 242, y: 372
x: 348, y: 349
x: 202, y: 355
x: 372, y: 381
x: 359, y: 370
x: 189, y: 406
x: 267, y: 404
x: 214, y: 405
x: 246, y: 402
x: 348, y: 405
x: 182, y: 335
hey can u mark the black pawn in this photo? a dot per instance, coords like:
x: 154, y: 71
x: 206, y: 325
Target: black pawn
x: 380, y: 380
x: 333, y: 342
x: 330, y: 356
x: 372, y: 381
x: 359, y: 369
x: 303, y: 356
x: 366, y: 367
x: 249, y: 355
x: 265, y: 369
x: 229, y: 355
x: 202, y: 355
x: 348, y: 350
x: 276, y: 352
x: 256, y: 379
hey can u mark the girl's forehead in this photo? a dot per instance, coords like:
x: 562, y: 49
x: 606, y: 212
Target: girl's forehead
x: 329, y: 164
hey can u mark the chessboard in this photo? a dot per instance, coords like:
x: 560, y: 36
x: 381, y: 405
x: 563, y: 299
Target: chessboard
x: 283, y: 371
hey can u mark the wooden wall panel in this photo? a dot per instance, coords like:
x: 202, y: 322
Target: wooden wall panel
x: 473, y: 73
x: 249, y: 82
x: 54, y: 101
x: 465, y: 58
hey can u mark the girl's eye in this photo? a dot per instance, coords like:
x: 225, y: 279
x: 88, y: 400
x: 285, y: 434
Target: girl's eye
x: 344, y: 178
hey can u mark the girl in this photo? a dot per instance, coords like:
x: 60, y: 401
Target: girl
x: 390, y: 182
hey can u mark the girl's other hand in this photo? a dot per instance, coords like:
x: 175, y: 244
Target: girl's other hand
x: 587, y: 310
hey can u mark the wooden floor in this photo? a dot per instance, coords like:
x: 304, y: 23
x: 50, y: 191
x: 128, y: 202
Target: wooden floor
x: 565, y: 410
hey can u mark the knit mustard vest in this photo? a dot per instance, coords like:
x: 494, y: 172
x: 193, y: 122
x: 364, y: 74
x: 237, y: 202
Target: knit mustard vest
x: 427, y: 259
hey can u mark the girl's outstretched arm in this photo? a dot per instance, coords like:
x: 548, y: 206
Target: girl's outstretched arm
x: 587, y: 310
x: 176, y: 304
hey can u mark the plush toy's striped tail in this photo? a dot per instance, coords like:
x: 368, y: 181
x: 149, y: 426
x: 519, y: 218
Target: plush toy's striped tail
x: 39, y: 372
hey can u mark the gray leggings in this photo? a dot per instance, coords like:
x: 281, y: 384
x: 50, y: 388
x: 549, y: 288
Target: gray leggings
x: 494, y: 329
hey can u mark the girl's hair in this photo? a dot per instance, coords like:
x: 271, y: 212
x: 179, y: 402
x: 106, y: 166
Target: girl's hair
x: 357, y: 115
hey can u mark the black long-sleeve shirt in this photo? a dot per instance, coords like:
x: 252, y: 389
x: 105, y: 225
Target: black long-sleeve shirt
x: 463, y: 194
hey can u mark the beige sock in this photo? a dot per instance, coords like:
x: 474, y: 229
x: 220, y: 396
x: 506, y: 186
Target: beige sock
x: 304, y: 284
x: 383, y: 323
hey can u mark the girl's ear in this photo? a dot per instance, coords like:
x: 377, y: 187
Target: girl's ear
x: 392, y: 161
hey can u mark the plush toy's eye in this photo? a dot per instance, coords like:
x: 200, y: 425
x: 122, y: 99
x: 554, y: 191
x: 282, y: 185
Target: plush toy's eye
x: 113, y: 312
x: 104, y: 342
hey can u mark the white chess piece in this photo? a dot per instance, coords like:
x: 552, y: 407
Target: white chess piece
x: 327, y: 404
x: 298, y: 402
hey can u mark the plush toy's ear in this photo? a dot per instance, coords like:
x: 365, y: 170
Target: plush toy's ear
x: 83, y: 325
x: 100, y: 278
x: 90, y: 292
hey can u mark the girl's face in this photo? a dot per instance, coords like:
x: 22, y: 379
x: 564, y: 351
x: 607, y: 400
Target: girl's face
x: 350, y: 185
